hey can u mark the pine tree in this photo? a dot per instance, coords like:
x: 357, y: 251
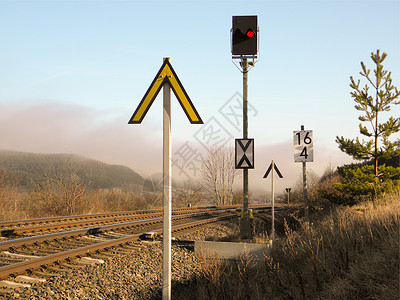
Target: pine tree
x: 374, y: 98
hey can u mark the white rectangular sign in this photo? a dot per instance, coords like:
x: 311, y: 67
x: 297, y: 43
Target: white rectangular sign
x: 244, y: 153
x: 303, y: 146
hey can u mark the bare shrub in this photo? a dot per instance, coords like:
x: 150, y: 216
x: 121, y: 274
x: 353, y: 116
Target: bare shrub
x: 104, y: 200
x: 12, y: 201
x: 212, y: 267
x: 219, y: 173
x: 61, y: 195
x: 13, y: 205
x: 313, y: 181
x: 190, y: 193
x: 214, y: 272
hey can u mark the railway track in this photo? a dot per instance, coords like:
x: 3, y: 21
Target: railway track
x: 9, y: 229
x: 19, y: 256
x: 15, y: 229
x: 47, y: 254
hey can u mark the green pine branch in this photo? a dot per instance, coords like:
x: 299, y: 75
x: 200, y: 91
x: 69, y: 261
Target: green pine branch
x: 375, y: 97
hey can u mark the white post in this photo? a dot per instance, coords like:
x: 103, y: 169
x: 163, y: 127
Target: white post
x: 305, y: 191
x: 306, y: 216
x: 167, y: 189
x: 273, y: 201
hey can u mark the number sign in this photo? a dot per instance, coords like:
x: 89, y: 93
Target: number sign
x: 303, y: 146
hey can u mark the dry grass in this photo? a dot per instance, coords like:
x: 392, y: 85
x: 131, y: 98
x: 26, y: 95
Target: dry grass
x: 16, y: 205
x: 351, y: 254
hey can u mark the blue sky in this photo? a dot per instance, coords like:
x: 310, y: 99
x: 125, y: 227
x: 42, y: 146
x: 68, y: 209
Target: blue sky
x: 73, y: 72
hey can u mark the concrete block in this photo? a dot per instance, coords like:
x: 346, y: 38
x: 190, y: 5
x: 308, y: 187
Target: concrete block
x: 27, y: 279
x: 88, y: 261
x: 228, y: 250
x: 13, y: 285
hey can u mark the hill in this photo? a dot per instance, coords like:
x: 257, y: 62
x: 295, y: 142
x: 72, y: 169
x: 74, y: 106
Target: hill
x: 28, y: 170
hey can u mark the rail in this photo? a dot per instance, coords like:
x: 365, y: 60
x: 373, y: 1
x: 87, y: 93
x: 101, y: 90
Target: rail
x: 22, y: 267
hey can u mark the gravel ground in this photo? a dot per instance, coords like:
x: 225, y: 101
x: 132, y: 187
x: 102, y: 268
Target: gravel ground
x: 135, y: 274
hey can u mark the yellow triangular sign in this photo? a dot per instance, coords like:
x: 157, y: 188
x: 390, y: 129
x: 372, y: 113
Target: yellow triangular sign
x: 166, y: 75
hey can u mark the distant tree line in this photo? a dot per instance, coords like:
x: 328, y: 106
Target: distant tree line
x: 30, y: 170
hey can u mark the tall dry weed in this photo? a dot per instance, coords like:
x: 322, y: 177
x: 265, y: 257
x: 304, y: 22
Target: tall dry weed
x: 333, y: 250
x: 212, y: 267
x: 352, y: 253
x: 214, y: 272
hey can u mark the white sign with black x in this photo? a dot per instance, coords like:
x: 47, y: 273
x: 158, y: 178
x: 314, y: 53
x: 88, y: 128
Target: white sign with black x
x: 244, y: 153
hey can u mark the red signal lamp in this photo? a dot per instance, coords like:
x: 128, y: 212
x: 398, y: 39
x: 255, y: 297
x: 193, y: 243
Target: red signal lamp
x: 250, y: 33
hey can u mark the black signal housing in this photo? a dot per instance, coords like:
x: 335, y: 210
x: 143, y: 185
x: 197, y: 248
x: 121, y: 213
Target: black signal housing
x: 244, y: 35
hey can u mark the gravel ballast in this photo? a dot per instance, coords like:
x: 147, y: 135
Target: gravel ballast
x: 130, y: 274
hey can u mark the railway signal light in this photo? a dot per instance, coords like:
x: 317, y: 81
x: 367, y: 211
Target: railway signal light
x: 244, y: 35
x: 250, y: 33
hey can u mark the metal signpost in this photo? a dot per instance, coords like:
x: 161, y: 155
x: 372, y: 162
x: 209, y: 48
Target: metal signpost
x: 244, y: 45
x: 304, y: 152
x: 272, y: 167
x: 288, y: 194
x: 167, y: 193
x: 166, y: 78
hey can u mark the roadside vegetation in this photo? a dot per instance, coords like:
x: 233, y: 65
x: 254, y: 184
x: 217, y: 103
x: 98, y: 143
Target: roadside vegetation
x: 351, y: 253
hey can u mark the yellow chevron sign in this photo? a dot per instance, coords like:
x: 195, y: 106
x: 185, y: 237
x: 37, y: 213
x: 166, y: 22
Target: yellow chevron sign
x: 166, y: 75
